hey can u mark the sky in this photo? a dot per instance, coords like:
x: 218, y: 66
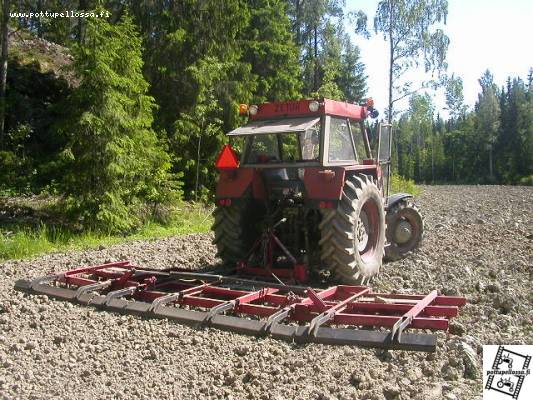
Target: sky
x: 484, y: 34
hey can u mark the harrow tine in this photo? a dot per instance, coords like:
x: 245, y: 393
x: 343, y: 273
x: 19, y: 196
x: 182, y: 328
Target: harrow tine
x: 91, y: 288
x: 276, y: 318
x: 118, y: 293
x: 407, y: 318
x: 230, y: 305
x: 160, y: 301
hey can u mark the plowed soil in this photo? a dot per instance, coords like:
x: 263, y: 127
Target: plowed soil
x: 479, y: 244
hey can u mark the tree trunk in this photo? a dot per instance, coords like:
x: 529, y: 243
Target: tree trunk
x: 3, y: 69
x: 82, y: 7
x: 197, y: 183
x: 432, y: 157
x: 391, y: 61
x: 39, y: 24
x: 490, y: 162
x: 453, y: 167
x: 315, y: 78
x: 298, y: 23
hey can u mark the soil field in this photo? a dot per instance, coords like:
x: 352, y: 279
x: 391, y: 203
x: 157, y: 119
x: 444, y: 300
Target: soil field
x: 479, y: 244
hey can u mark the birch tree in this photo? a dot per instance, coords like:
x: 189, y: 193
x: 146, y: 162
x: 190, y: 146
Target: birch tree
x: 409, y: 28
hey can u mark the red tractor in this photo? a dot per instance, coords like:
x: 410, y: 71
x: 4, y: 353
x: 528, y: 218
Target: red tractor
x: 305, y: 195
x: 302, y: 187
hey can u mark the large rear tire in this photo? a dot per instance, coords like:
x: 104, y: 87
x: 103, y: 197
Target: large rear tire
x: 353, y: 235
x: 405, y: 230
x: 233, y: 231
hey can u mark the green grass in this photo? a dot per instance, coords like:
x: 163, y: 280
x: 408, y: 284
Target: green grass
x: 22, y: 241
x: 526, y: 181
x: 399, y: 184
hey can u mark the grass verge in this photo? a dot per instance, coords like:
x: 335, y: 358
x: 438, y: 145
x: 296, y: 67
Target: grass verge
x: 22, y: 241
x: 399, y: 184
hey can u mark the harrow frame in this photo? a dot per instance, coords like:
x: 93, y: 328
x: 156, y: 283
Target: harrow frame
x: 288, y: 312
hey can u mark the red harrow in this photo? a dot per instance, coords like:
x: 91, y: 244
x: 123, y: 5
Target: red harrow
x: 350, y: 315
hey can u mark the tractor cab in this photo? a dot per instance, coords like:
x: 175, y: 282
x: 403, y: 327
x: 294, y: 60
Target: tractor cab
x: 295, y: 147
x: 304, y: 133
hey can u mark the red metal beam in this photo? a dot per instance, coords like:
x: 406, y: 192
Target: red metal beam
x: 123, y: 264
x: 256, y: 309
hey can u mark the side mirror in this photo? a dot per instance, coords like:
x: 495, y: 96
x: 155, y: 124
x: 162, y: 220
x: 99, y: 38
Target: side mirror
x: 385, y: 142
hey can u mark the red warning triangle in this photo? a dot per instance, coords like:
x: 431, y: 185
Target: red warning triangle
x: 227, y: 159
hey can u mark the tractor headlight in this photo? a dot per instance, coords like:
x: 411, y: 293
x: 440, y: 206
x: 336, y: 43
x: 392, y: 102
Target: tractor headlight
x: 253, y: 109
x: 313, y: 106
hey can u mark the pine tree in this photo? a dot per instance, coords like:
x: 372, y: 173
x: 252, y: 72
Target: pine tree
x: 193, y: 61
x: 270, y: 50
x: 527, y: 138
x: 329, y: 63
x: 488, y: 114
x: 352, y: 77
x: 116, y: 165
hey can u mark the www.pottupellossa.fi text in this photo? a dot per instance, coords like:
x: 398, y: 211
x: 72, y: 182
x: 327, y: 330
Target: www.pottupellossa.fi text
x: 61, y: 14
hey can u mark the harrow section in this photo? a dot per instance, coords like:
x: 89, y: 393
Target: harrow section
x: 350, y: 315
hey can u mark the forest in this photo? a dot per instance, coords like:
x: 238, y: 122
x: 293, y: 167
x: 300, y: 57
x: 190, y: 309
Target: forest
x: 129, y: 112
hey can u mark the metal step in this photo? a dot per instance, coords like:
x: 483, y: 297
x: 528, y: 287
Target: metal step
x: 347, y: 315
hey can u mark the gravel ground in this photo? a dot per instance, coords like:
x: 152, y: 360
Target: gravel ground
x: 478, y: 244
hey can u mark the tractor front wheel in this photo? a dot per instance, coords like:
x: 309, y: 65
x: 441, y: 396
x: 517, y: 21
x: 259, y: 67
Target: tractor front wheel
x: 405, y: 229
x: 353, y: 235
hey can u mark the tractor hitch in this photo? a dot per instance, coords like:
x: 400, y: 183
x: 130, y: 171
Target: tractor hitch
x: 268, y: 248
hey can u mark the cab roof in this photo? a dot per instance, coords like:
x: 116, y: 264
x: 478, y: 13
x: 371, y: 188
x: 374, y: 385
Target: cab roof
x: 284, y: 125
x: 300, y: 108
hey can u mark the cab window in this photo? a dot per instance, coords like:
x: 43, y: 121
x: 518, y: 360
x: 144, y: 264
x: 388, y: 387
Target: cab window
x: 340, y: 143
x: 285, y: 147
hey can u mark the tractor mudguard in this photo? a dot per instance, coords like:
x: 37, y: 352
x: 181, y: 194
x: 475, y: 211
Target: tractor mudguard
x: 324, y: 183
x: 233, y: 183
x: 396, y: 198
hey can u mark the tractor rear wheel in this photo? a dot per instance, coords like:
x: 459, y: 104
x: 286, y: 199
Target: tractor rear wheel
x: 353, y: 235
x: 405, y: 229
x: 233, y: 231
